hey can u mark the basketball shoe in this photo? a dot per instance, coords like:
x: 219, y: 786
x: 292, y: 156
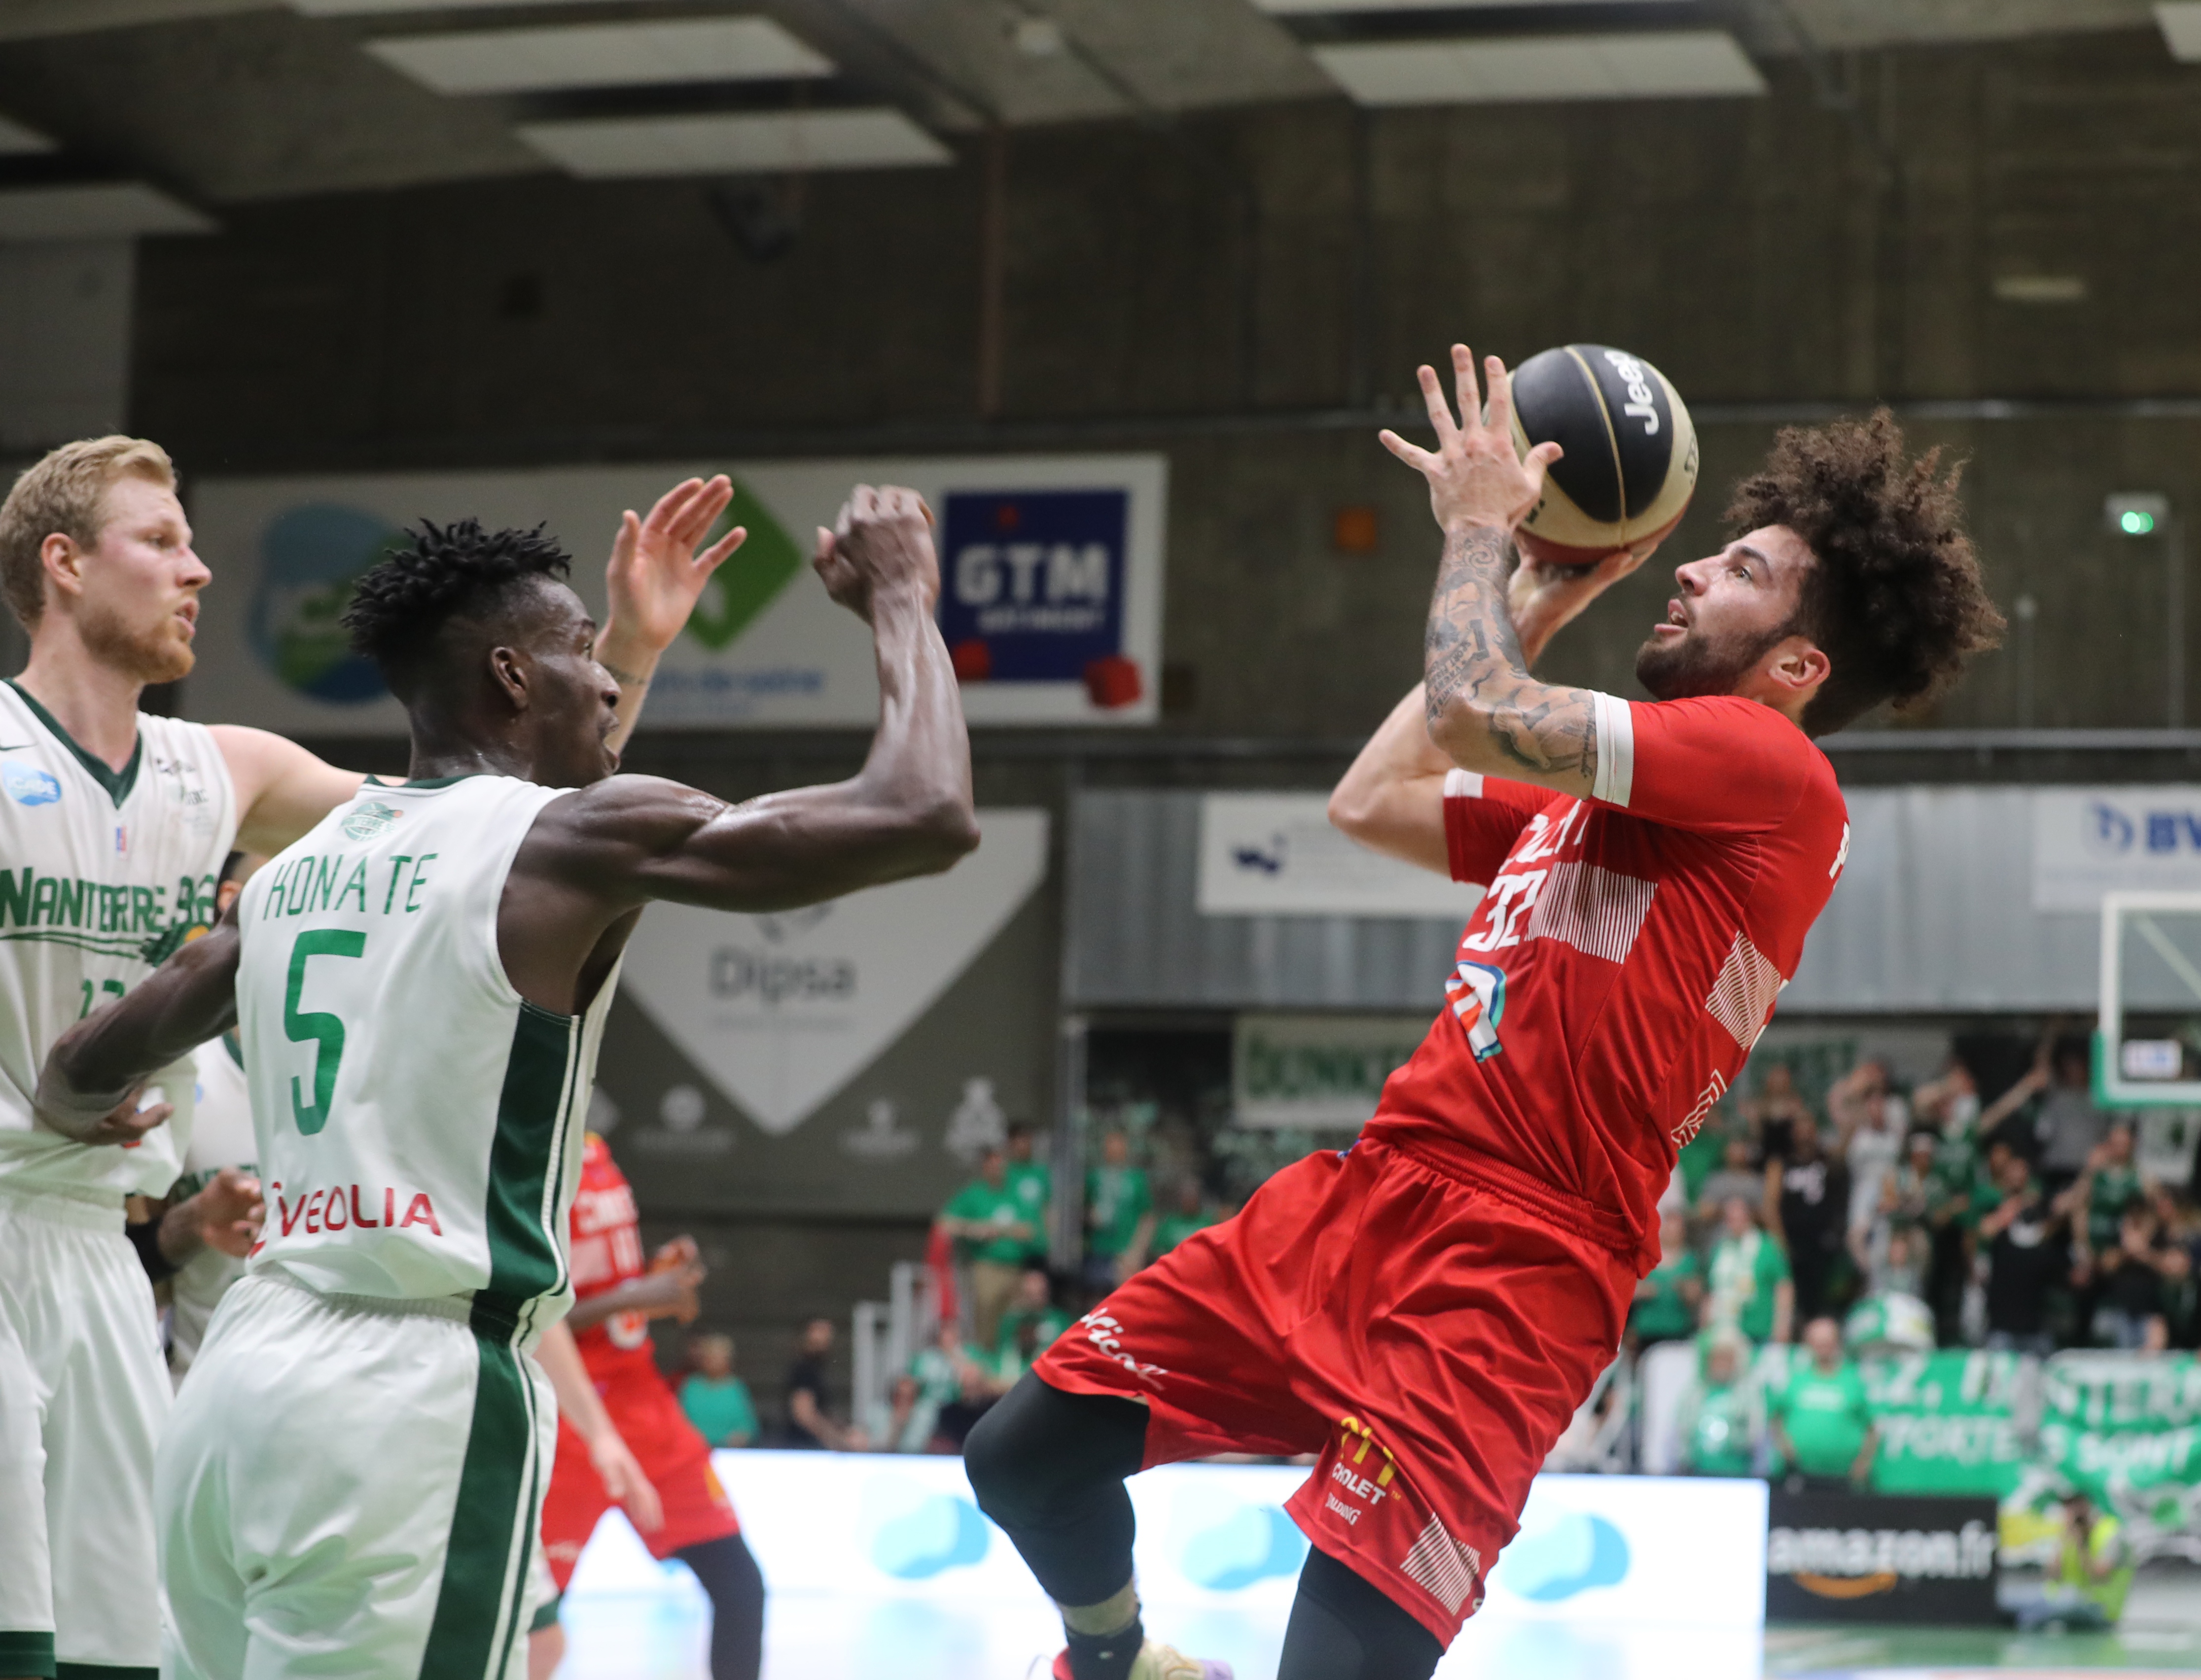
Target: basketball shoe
x: 1156, y: 1662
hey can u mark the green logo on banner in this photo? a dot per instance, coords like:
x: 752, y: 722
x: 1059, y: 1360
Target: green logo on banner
x: 752, y: 579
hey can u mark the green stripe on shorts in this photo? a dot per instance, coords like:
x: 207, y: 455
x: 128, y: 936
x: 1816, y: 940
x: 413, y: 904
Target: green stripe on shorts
x: 469, y: 1639
x: 527, y: 1538
x: 29, y: 1656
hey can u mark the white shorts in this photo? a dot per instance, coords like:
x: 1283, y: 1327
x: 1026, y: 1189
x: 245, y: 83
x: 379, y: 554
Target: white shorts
x: 84, y: 1396
x: 350, y: 1488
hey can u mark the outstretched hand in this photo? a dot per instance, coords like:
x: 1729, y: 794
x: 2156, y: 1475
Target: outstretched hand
x: 1474, y: 477
x: 655, y: 574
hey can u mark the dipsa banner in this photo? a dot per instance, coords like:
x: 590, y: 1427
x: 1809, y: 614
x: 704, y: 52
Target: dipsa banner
x: 1835, y: 1557
x: 2088, y: 841
x: 1051, y: 597
x: 1643, y: 1550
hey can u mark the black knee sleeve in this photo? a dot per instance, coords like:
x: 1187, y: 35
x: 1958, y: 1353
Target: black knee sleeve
x: 1344, y: 1629
x: 729, y: 1574
x: 1049, y: 1468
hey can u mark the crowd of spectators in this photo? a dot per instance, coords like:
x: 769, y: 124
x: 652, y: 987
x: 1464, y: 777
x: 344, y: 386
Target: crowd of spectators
x: 2022, y: 1224
x: 1868, y: 1214
x: 1895, y: 1220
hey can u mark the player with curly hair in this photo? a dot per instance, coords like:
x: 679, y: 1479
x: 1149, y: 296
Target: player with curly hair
x: 1426, y: 1309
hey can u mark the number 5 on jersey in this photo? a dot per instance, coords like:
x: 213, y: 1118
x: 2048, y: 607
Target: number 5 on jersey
x: 324, y: 1032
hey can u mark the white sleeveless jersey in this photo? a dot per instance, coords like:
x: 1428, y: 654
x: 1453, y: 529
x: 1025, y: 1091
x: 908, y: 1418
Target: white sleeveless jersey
x: 101, y: 876
x: 221, y: 1136
x: 419, y: 1123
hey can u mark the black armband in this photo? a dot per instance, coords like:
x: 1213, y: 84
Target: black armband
x: 146, y: 1240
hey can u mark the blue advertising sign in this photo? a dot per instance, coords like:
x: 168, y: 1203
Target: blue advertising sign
x: 1033, y: 589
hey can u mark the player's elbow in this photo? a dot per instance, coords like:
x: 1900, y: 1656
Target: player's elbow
x: 942, y: 833
x: 1465, y: 731
x: 1352, y: 808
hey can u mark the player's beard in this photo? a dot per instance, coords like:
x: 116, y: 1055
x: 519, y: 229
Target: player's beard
x: 1697, y: 663
x: 158, y: 654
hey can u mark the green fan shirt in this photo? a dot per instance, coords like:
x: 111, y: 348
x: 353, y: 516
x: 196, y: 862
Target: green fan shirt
x: 1120, y: 1197
x: 1664, y: 1315
x: 981, y: 1203
x: 1032, y: 1185
x: 718, y: 1408
x: 1826, y: 1415
x: 1718, y: 1430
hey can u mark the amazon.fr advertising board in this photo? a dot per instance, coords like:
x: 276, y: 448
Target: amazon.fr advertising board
x: 1838, y: 1557
x: 1050, y: 601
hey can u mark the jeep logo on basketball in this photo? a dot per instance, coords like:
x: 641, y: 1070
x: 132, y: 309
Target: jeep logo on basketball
x: 1639, y: 404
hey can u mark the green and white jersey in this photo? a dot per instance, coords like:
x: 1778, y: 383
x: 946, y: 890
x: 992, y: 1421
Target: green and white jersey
x: 101, y: 876
x: 419, y: 1123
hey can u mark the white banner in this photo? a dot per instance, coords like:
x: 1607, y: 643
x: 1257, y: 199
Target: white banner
x: 1275, y: 854
x: 781, y: 1010
x: 1052, y: 571
x: 2088, y: 841
x: 1318, y: 1071
x: 1609, y: 1550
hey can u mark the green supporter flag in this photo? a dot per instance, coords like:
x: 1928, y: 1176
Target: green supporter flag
x: 1947, y: 1423
x: 2126, y: 1432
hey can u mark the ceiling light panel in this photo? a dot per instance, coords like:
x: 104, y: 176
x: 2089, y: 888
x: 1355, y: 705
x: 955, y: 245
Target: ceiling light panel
x: 607, y: 55
x: 2180, y: 22
x: 746, y: 144
x: 1692, y: 63
x: 111, y: 209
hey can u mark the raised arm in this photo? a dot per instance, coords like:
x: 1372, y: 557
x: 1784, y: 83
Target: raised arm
x: 908, y: 812
x: 96, y: 1067
x: 1392, y: 799
x: 1484, y: 711
x: 656, y: 577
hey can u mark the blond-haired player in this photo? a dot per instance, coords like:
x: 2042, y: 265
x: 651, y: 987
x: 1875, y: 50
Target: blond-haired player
x: 113, y: 827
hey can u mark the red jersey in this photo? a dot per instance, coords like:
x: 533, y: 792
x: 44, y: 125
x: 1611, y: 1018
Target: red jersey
x: 606, y: 1251
x: 1625, y: 956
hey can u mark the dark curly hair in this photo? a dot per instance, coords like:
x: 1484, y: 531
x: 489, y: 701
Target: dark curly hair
x: 439, y: 573
x: 1896, y: 601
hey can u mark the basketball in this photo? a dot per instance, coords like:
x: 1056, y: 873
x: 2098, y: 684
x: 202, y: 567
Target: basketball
x: 1631, y: 465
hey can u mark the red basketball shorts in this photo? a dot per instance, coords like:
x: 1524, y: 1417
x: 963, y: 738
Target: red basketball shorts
x: 674, y: 1455
x: 1428, y: 1335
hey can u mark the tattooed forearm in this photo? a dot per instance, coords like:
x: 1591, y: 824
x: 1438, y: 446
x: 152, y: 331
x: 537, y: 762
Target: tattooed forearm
x: 1484, y: 708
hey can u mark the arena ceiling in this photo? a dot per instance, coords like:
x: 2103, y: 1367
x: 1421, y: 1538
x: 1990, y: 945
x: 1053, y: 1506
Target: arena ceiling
x: 223, y: 102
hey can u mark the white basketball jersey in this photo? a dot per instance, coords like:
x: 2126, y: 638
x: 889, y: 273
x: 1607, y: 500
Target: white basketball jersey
x: 101, y: 876
x: 419, y: 1123
x: 221, y: 1136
